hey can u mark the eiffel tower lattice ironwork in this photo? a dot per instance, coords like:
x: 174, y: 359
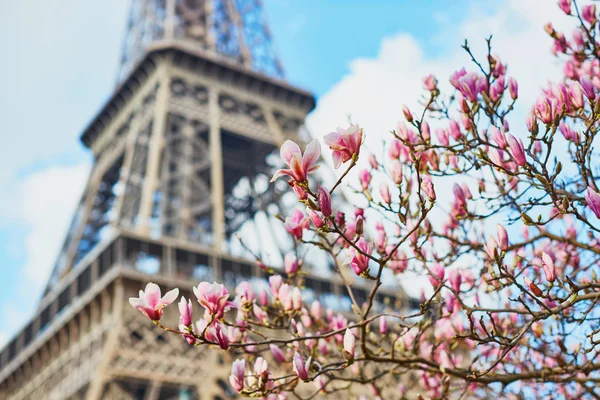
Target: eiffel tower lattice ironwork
x: 183, y: 152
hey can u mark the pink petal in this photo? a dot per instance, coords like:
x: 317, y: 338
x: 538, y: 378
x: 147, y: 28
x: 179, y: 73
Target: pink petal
x: 169, y: 297
x: 135, y: 302
x: 281, y: 173
x: 332, y: 139
x: 152, y: 295
x: 311, y: 154
x: 337, y: 159
x: 288, y: 150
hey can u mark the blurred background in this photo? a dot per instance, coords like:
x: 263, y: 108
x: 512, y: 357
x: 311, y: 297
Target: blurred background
x: 362, y: 59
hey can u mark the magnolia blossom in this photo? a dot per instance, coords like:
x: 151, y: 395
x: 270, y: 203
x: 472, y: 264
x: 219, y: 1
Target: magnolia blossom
x: 290, y: 263
x: 359, y: 261
x: 238, y: 371
x: 296, y: 224
x: 324, y: 201
x: 299, y: 165
x: 214, y: 298
x: 216, y: 334
x: 593, y: 201
x: 345, y: 144
x: 301, y: 367
x: 150, y: 303
x: 502, y: 237
x: 548, y: 266
x: 428, y: 187
x: 517, y: 150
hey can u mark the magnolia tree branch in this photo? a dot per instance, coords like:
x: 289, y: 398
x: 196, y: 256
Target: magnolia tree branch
x: 498, y: 215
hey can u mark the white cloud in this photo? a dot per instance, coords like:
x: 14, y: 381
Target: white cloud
x: 47, y: 202
x: 372, y: 93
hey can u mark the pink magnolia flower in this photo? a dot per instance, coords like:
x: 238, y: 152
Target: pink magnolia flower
x: 498, y: 137
x: 275, y: 282
x: 517, y: 151
x: 513, y: 88
x: 324, y: 201
x: 455, y: 130
x: 546, y: 109
x: 349, y: 345
x: 360, y: 262
x: 470, y: 85
x: 588, y: 87
x: 290, y: 263
x: 365, y: 178
x: 185, y: 312
x: 384, y: 191
x: 593, y: 201
x: 430, y: 82
x: 373, y: 162
x: 345, y: 144
x: 407, y: 114
x: 425, y: 131
x: 548, y: 266
x: 150, y: 303
x: 588, y: 13
x: 277, y: 353
x: 299, y: 165
x: 214, y: 298
x: 216, y: 334
x: 315, y: 217
x: 296, y: 224
x: 301, y: 367
x: 396, y: 172
x: 502, y: 237
x: 436, y: 276
x: 576, y: 95
x: 238, y: 371
x: 442, y: 136
x: 428, y: 187
x: 246, y: 292
x: 565, y: 5
x: 383, y: 325
x: 455, y: 279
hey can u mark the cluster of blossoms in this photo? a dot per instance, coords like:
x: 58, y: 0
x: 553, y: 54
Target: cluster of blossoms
x: 501, y: 221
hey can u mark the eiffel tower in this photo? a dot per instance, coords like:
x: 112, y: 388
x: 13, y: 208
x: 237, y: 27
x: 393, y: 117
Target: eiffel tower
x: 183, y: 152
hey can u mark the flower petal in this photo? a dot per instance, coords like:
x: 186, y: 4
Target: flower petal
x: 311, y: 154
x: 288, y: 150
x: 152, y: 295
x: 169, y: 297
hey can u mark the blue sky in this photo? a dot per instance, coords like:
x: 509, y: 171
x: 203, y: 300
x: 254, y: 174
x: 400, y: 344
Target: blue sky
x: 59, y: 63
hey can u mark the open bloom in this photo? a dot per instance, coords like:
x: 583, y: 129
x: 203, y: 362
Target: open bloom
x: 593, y: 201
x: 238, y: 371
x: 299, y: 165
x: 345, y: 144
x: 301, y: 367
x: 360, y: 262
x: 214, y: 298
x: 150, y: 303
